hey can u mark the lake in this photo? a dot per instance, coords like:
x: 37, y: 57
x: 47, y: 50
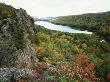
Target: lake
x: 61, y: 28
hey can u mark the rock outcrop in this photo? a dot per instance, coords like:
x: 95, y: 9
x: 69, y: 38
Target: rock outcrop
x: 12, y: 74
x: 16, y: 37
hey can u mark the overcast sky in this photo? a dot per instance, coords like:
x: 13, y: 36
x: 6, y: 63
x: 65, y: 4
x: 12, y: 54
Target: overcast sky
x: 43, y: 8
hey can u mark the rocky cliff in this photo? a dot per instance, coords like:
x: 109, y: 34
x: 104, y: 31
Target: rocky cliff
x: 16, y: 37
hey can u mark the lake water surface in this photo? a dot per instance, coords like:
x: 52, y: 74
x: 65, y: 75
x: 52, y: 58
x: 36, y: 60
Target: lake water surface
x: 61, y: 28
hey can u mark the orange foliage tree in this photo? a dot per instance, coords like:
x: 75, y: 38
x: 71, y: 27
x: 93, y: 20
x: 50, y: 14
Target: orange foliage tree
x: 39, y: 51
x: 81, y: 69
x: 82, y: 61
x: 38, y: 69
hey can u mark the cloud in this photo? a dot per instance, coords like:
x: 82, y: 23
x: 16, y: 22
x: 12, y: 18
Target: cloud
x: 60, y: 7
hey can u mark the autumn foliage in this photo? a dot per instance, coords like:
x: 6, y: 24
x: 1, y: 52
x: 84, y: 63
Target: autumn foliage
x: 75, y: 57
x: 38, y: 69
x: 39, y: 50
x: 82, y: 61
x: 81, y: 68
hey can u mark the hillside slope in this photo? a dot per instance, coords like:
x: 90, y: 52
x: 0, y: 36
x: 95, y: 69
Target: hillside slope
x: 73, y: 57
x: 95, y: 22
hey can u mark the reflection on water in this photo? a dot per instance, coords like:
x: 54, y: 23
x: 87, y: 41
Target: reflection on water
x: 61, y: 28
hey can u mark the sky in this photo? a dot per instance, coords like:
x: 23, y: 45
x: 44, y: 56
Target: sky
x: 48, y: 8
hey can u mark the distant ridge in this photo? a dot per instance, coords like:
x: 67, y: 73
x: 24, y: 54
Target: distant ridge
x: 95, y: 22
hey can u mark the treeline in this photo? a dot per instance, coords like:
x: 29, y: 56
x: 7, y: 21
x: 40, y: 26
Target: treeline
x: 95, y: 22
x: 72, y: 57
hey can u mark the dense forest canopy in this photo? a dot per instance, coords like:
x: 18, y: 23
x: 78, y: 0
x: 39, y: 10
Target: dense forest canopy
x: 69, y: 50
x: 96, y: 22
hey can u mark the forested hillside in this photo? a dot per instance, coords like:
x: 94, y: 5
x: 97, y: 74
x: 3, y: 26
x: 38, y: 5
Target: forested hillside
x: 96, y: 22
x: 73, y: 57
